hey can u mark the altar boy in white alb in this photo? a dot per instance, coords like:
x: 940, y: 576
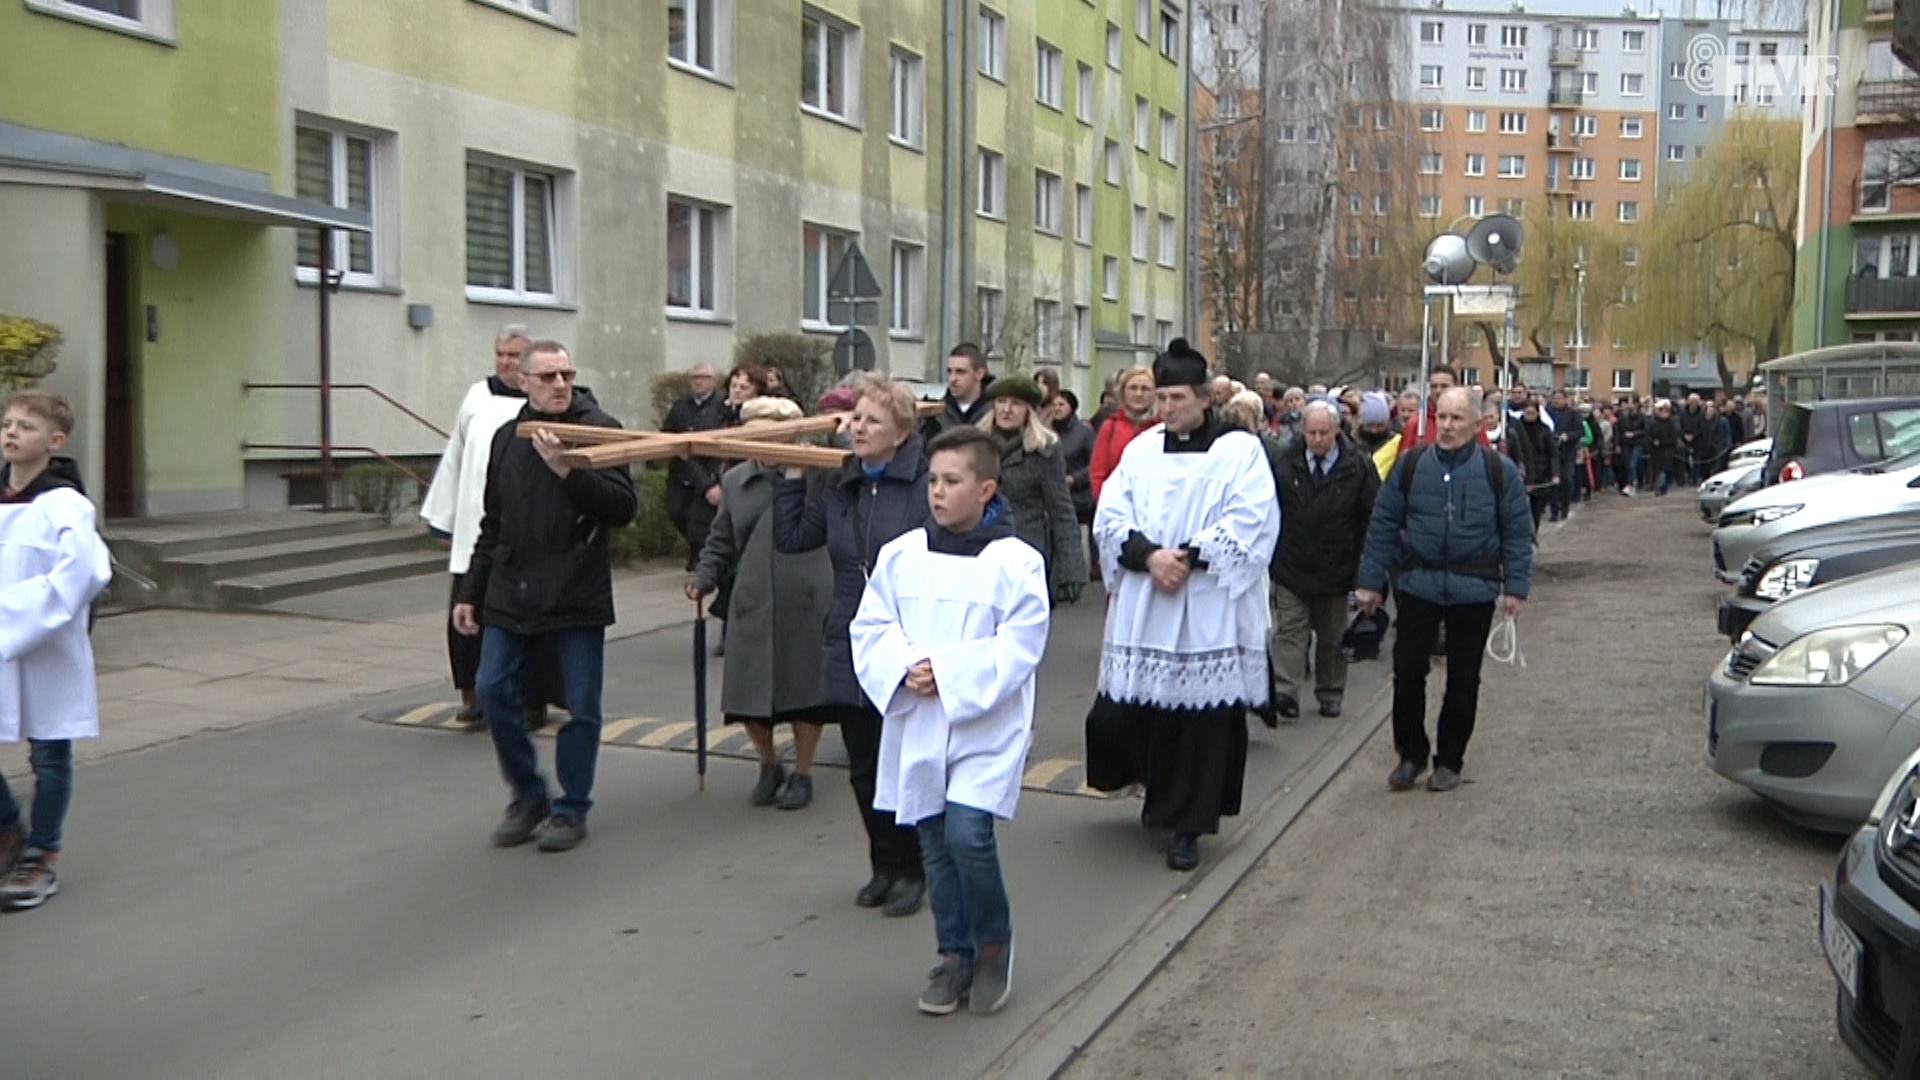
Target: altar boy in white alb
x: 52, y: 564
x: 948, y: 637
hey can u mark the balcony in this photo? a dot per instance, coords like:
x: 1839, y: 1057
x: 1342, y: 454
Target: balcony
x: 1566, y: 56
x: 1562, y: 144
x: 1879, y: 10
x: 1875, y: 297
x: 1568, y: 97
x: 1888, y: 101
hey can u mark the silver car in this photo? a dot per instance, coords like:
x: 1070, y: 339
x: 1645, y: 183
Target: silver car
x: 1773, y: 512
x: 1818, y: 700
x: 1729, y: 484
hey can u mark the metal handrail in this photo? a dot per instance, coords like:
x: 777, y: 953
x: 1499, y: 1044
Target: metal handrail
x: 368, y: 387
x: 367, y: 450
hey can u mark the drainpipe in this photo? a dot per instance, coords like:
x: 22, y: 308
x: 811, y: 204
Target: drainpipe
x: 951, y: 14
x: 962, y: 167
x: 326, y: 369
x: 1826, y: 191
x: 1190, y: 306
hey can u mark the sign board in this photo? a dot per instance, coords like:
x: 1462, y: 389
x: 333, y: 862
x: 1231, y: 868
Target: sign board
x: 853, y: 278
x: 853, y: 312
x: 1482, y: 300
x: 853, y: 351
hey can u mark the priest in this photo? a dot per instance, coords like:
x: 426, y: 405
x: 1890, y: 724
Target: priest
x: 1185, y: 528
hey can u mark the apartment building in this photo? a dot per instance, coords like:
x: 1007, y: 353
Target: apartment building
x: 645, y: 182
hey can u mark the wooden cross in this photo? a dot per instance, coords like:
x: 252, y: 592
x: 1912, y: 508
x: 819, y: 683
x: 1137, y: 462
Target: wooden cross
x: 763, y: 440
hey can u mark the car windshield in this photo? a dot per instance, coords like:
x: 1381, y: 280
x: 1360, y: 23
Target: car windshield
x: 1790, y: 440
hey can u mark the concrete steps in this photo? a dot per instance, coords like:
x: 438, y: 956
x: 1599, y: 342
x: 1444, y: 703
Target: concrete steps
x: 252, y: 558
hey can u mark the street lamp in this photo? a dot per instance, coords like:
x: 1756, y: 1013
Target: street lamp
x: 1579, y: 318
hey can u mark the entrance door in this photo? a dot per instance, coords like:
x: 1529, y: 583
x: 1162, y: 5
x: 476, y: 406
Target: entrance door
x: 117, y: 500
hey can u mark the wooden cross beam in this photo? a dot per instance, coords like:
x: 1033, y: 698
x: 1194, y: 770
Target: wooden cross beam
x: 593, y: 447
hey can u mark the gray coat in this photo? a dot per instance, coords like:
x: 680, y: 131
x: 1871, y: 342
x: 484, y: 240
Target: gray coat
x: 778, y: 611
x: 1035, y: 486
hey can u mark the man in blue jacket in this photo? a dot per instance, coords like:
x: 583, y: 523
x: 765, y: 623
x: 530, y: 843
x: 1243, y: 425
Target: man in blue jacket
x: 1452, y: 528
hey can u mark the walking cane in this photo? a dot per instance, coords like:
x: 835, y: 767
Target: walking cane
x: 700, y: 692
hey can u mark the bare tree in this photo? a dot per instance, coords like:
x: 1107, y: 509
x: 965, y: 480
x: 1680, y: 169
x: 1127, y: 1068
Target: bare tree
x: 1230, y: 172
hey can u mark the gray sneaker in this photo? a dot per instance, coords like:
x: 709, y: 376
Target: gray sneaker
x: 798, y: 793
x: 516, y: 826
x: 992, y: 978
x: 561, y: 832
x: 946, y: 987
x: 767, y: 791
x: 1443, y: 779
x: 31, y: 882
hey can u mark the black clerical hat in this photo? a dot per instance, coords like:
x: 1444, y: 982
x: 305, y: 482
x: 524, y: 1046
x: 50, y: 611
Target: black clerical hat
x: 1180, y: 365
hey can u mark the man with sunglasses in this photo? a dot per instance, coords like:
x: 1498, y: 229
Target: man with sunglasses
x: 540, y: 573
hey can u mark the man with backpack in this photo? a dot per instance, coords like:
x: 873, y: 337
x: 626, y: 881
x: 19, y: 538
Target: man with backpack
x: 1452, y: 528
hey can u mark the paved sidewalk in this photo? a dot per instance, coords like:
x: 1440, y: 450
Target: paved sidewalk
x: 168, y: 674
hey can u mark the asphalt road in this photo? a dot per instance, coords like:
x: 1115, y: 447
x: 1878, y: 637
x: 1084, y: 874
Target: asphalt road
x: 315, y: 897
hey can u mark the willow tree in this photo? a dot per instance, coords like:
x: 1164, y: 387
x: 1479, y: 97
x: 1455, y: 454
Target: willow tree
x: 1550, y: 301
x: 1717, y: 265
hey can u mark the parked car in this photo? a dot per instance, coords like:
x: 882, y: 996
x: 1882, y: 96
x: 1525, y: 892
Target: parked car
x: 1723, y: 487
x: 1770, y: 513
x: 1869, y: 920
x: 1810, y: 438
x: 1799, y: 561
x: 1750, y: 453
x: 1819, y: 696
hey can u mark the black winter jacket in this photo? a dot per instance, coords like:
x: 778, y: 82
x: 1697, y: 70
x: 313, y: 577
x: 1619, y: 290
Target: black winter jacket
x: 698, y: 473
x: 1323, y: 527
x: 540, y: 563
x: 854, y: 517
x: 951, y: 415
x: 1531, y: 447
x: 1631, y: 430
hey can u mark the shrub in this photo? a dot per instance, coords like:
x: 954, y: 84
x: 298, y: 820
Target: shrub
x: 651, y: 535
x: 372, y: 487
x: 805, y: 362
x: 668, y: 387
x: 27, y: 351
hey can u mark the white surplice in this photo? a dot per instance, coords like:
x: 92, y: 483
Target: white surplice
x: 982, y: 622
x: 1204, y: 646
x: 52, y: 564
x: 456, y: 500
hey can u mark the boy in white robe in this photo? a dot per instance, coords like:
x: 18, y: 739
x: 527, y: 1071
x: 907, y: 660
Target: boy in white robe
x: 52, y: 564
x: 949, y: 635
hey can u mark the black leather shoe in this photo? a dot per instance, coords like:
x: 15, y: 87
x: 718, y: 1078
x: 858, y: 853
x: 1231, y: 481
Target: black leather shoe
x: 904, y: 897
x: 1287, y: 707
x: 1404, y: 775
x: 874, y: 893
x: 1184, y: 853
x: 1443, y: 779
x: 1329, y: 709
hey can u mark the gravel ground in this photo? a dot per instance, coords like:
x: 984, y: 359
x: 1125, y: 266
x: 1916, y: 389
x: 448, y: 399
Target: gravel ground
x: 1593, y: 900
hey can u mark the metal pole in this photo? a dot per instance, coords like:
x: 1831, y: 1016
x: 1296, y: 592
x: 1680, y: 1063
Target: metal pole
x: 1426, y: 359
x: 1190, y: 281
x: 1446, y: 329
x: 1826, y: 188
x: 1579, y: 318
x: 326, y: 369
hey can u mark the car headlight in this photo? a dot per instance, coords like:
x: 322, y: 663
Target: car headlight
x: 1783, y: 579
x: 1896, y: 813
x: 1831, y: 657
x: 1773, y: 513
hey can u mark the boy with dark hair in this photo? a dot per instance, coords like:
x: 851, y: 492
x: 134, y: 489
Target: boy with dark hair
x: 52, y: 565
x: 948, y: 638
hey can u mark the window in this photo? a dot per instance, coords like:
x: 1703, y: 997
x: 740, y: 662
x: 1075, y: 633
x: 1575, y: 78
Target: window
x: 1143, y: 19
x: 993, y: 184
x: 1513, y: 123
x: 1430, y: 164
x: 1429, y: 206
x: 1622, y: 380
x: 1082, y: 214
x: 1355, y: 204
x: 1169, y: 239
x: 906, y: 123
x: 1877, y: 167
x: 991, y: 306
x: 1113, y: 162
x: 1586, y: 39
x: 1229, y: 239
x: 1700, y: 112
x: 1170, y: 40
x: 698, y: 35
x: 1476, y: 78
x: 909, y: 289
x: 1114, y: 46
x: 1629, y: 212
x: 1476, y: 120
x: 1579, y: 378
x: 1227, y: 108
x: 1677, y: 70
x: 1581, y: 168
x: 1477, y: 34
x: 1589, y: 84
x: 1669, y: 359
x: 1046, y: 331
x: 1046, y: 202
x: 1373, y: 247
x: 1140, y: 233
x: 1513, y: 80
x: 1049, y: 76
x: 993, y: 45
x: 1139, y: 331
x: 1169, y: 137
x: 1082, y: 335
x: 1630, y: 169
x: 1433, y: 33
x: 1109, y: 278
x: 1586, y: 126
x: 1631, y: 84
x: 1514, y: 207
x: 1580, y: 209
x: 1630, y: 127
x: 1476, y: 206
x: 147, y: 18
x: 1353, y: 246
x: 1142, y: 124
x: 1677, y: 113
x: 1513, y: 165
x: 1476, y: 164
x: 1629, y: 255
x: 1162, y: 334
x: 510, y: 232
x: 337, y: 169
x: 1430, y: 76
x: 697, y: 258
x: 1381, y: 203
x: 1742, y: 51
x: 1382, y: 118
x: 1763, y: 95
x: 1083, y: 95
x: 1633, y: 41
x: 1513, y: 37
x: 1432, y: 119
x: 821, y: 250
x: 829, y: 66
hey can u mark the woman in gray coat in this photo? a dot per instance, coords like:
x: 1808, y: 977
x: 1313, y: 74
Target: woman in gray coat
x: 1033, y: 477
x: 775, y: 620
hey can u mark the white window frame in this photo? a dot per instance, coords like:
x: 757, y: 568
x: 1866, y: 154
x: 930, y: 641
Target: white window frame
x: 1143, y: 19
x: 907, y: 291
x: 823, y: 251
x: 1432, y: 163
x: 1513, y: 80
x: 1433, y: 32
x: 559, y: 14
x: 1630, y: 170
x: 1586, y: 39
x: 1476, y: 206
x: 1169, y: 240
x: 1629, y: 211
x: 1632, y: 84
x: 1477, y: 35
x: 1049, y: 76
x: 379, y: 147
x: 1140, y: 235
x: 1116, y: 47
x: 1083, y: 94
x: 1513, y: 123
x: 849, y: 36
x: 1046, y: 330
x: 990, y: 309
x: 1586, y: 126
x: 1112, y: 168
x: 154, y: 23
x: 720, y: 14
x: 1083, y: 215
x: 1677, y: 113
x: 1580, y: 168
x: 1677, y: 70
x: 1589, y: 84
x: 1109, y: 278
x: 1668, y: 359
x: 1513, y: 166
x: 1169, y: 138
x: 1082, y: 335
x: 560, y: 246
x: 1142, y: 124
x: 907, y: 110
x: 1476, y: 121
x: 1433, y: 118
x: 991, y: 189
x: 1476, y: 78
x: 1170, y: 39
x: 1476, y: 164
x: 1429, y: 206
x: 1046, y: 202
x: 1631, y: 127
x: 1633, y: 41
x: 1580, y: 210
x: 707, y: 218
x: 1624, y: 386
x: 991, y: 43
x: 1513, y: 36
x: 1432, y: 76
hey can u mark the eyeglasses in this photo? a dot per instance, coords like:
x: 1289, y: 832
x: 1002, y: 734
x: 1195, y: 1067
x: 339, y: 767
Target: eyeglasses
x: 552, y: 378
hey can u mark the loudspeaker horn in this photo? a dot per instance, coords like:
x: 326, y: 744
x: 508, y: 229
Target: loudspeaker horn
x: 1496, y: 242
x: 1447, y: 261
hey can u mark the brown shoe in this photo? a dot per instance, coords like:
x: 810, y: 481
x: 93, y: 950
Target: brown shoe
x: 31, y: 883
x: 12, y: 846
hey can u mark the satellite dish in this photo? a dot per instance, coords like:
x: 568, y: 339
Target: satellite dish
x: 1447, y: 261
x: 1496, y: 242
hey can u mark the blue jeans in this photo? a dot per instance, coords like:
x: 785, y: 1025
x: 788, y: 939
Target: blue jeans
x: 503, y: 666
x: 964, y: 886
x: 1636, y: 456
x: 52, y: 761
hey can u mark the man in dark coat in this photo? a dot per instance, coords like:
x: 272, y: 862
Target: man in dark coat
x: 1327, y: 485
x: 1630, y: 430
x: 693, y: 484
x: 1693, y: 440
x: 540, y: 571
x: 966, y: 402
x: 1565, y: 421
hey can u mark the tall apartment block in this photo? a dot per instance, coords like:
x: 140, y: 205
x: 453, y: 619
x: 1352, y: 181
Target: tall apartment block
x: 647, y: 182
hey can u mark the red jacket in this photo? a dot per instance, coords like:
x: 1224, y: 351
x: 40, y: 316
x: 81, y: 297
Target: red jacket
x: 1115, y: 434
x: 1424, y: 431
